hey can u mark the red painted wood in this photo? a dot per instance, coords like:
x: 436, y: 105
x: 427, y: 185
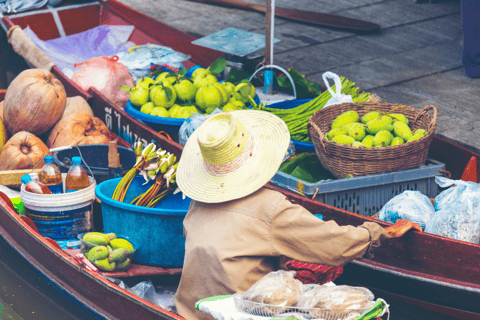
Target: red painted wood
x: 42, y: 24
x: 29, y: 222
x: 80, y: 19
x: 470, y: 172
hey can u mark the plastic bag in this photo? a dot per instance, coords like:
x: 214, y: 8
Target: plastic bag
x: 13, y: 6
x: 107, y: 75
x: 139, y: 58
x: 458, y: 215
x: 340, y: 300
x: 278, y: 288
x: 144, y: 290
x: 411, y: 205
x: 191, y: 124
x: 96, y: 42
x: 337, y: 96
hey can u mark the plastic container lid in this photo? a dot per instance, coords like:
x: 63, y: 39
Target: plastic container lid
x: 26, y: 178
x: 48, y: 159
x: 76, y: 160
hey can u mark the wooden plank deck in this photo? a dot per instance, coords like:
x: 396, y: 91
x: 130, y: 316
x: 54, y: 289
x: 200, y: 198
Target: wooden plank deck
x: 415, y: 59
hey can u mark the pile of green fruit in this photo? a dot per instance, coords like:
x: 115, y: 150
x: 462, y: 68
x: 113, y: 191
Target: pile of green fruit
x: 174, y: 95
x: 106, y: 251
x: 374, y: 129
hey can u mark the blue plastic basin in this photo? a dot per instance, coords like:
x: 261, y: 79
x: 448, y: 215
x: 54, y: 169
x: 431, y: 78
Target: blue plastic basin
x: 157, y: 231
x: 289, y: 104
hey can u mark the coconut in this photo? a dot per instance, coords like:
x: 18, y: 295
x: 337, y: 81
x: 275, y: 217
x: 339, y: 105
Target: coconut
x: 34, y: 102
x: 22, y: 151
x: 76, y: 105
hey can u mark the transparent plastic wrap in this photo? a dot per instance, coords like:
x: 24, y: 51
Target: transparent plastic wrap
x: 273, y: 292
x: 191, y: 124
x: 411, y: 205
x: 458, y: 215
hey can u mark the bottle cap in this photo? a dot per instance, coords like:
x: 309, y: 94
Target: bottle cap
x: 77, y: 160
x: 48, y: 159
x: 26, y: 178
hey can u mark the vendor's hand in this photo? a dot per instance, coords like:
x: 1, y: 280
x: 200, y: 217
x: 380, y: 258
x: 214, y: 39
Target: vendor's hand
x: 401, y: 227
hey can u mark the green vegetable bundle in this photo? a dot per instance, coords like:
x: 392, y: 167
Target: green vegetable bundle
x: 297, y: 118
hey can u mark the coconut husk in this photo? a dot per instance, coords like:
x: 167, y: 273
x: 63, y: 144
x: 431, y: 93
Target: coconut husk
x: 77, y: 130
x: 22, y: 151
x: 76, y: 105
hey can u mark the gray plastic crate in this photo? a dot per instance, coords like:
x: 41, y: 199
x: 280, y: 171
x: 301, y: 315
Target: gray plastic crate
x: 368, y: 194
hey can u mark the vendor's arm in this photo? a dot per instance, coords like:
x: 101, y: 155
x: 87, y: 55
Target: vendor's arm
x: 298, y: 234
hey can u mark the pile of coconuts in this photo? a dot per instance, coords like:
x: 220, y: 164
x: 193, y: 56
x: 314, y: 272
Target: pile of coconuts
x: 36, y: 116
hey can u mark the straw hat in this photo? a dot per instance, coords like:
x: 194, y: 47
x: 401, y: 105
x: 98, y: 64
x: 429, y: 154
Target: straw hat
x: 232, y: 155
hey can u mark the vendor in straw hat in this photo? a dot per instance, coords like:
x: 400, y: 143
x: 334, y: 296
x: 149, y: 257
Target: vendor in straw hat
x: 235, y: 229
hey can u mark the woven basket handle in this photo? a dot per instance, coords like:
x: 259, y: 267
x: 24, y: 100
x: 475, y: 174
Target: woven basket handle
x: 433, y: 124
x: 320, y: 135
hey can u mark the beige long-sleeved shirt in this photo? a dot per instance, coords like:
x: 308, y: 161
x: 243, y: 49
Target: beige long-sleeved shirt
x: 230, y: 246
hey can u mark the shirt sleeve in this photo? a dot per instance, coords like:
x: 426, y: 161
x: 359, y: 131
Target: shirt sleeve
x: 298, y: 234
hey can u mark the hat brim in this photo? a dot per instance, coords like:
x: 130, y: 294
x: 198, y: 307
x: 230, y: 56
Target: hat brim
x: 271, y: 138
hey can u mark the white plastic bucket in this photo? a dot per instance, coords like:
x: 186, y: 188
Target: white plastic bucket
x: 61, y: 216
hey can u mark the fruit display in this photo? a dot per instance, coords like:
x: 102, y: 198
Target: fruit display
x: 374, y: 129
x: 173, y: 95
x: 106, y: 251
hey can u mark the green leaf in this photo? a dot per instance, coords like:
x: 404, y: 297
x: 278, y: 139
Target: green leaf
x: 244, y: 81
x: 218, y: 66
x: 182, y: 72
x: 125, y: 88
x: 168, y: 92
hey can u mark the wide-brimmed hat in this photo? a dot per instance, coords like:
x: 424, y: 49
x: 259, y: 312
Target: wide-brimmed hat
x: 232, y: 155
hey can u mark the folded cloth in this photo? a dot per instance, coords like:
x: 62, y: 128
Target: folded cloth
x: 314, y: 273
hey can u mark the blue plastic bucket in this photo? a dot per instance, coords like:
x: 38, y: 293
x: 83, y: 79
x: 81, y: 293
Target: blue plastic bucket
x: 289, y: 104
x: 62, y: 216
x: 157, y: 231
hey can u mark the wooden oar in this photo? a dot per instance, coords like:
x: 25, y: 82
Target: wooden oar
x: 322, y: 19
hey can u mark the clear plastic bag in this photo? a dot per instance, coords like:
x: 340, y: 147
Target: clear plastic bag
x: 191, y: 124
x: 278, y: 288
x: 337, y: 96
x: 14, y: 6
x: 144, y: 290
x: 411, y: 205
x: 458, y: 215
x: 139, y: 58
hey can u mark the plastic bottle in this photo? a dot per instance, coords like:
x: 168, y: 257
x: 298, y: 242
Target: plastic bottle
x: 51, y: 176
x: 77, y: 177
x: 34, y: 186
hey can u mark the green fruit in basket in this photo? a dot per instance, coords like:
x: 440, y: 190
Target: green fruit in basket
x: 343, y: 139
x: 243, y: 90
x: 399, y: 117
x: 97, y: 253
x: 370, y: 116
x: 145, y: 82
x: 204, y: 80
x: 186, y: 112
x: 233, y: 106
x: 402, y: 130
x: 386, y: 119
x: 160, y: 112
x: 147, y: 107
x: 357, y: 144
x: 139, y: 96
x: 420, y: 131
x: 96, y: 239
x: 111, y: 235
x: 165, y: 78
x: 357, y: 131
x: 349, y: 126
x: 173, y: 111
x: 230, y: 87
x: 345, y: 118
x: 221, y: 88
x: 200, y: 71
x: 383, y: 138
x: 105, y: 265
x: 185, y: 90
x: 336, y: 132
x: 209, y: 110
x: 397, y: 141
x: 209, y: 97
x: 109, y: 249
x: 124, y: 265
x: 118, y: 255
x: 121, y: 243
x: 163, y: 96
x: 368, y: 141
x: 375, y: 126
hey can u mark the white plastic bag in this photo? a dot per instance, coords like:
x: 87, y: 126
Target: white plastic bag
x: 337, y: 96
x: 411, y: 205
x: 191, y: 124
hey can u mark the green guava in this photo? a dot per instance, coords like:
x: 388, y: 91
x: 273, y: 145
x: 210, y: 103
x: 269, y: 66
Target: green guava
x: 185, y: 90
x: 209, y: 97
x: 138, y: 96
x: 160, y: 98
x: 165, y: 77
x: 186, y: 112
x: 147, y: 107
x: 145, y: 82
x: 205, y: 80
x: 230, y: 87
x: 238, y: 95
x: 160, y: 112
x: 200, y: 71
x: 173, y: 111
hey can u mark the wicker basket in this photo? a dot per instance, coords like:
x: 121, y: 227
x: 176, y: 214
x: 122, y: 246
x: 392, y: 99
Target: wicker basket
x: 342, y: 160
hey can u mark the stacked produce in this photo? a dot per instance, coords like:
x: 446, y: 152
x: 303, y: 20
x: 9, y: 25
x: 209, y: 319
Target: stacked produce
x: 157, y: 165
x: 106, y: 251
x: 174, y: 95
x: 37, y: 115
x: 297, y: 118
x: 374, y: 129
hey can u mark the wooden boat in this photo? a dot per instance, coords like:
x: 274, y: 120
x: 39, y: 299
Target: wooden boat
x: 74, y: 17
